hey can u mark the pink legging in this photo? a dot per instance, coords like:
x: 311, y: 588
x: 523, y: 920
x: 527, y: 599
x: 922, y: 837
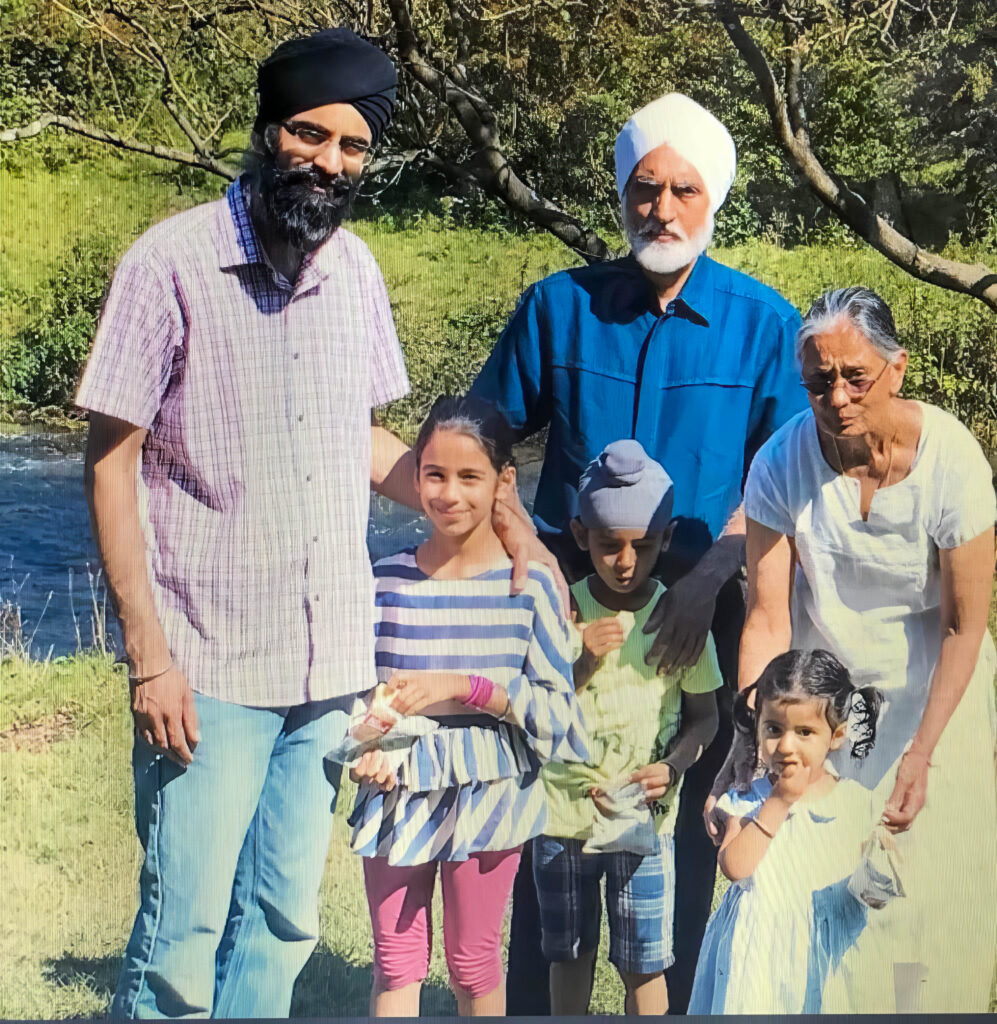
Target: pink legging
x: 475, y: 895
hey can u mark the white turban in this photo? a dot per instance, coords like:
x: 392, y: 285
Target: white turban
x: 691, y: 130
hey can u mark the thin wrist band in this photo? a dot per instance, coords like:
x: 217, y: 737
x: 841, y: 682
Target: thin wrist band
x: 918, y: 753
x: 506, y: 710
x: 755, y: 821
x: 138, y: 680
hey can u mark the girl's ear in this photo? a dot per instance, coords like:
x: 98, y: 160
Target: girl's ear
x: 838, y: 736
x: 506, y: 486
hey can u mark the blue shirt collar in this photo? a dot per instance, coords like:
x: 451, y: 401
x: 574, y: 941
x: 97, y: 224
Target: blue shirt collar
x: 694, y: 302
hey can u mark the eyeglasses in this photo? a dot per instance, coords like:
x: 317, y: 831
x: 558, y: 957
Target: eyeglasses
x: 311, y: 139
x: 855, y: 387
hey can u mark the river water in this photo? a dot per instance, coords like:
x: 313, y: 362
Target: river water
x: 47, y: 552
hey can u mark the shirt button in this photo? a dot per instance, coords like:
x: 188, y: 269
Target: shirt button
x: 301, y: 416
x: 308, y: 479
x: 315, y: 540
x: 296, y: 354
x: 316, y: 597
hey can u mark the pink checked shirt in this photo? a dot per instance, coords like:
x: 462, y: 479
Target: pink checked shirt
x: 254, y: 483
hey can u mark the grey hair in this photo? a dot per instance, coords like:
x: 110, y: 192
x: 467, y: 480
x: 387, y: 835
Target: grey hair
x: 866, y: 311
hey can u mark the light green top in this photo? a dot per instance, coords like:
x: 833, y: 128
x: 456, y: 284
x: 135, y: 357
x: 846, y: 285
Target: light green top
x: 632, y: 714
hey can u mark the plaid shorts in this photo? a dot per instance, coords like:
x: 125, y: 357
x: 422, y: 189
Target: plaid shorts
x: 640, y: 901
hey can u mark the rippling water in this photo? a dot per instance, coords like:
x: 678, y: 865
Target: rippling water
x: 46, y: 549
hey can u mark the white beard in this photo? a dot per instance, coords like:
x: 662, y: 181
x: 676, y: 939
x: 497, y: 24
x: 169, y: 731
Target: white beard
x: 667, y: 258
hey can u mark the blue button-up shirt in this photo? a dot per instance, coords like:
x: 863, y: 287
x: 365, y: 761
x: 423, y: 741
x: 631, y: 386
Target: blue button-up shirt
x: 701, y: 386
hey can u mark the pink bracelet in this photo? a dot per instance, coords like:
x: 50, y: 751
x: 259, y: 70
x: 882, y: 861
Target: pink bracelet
x: 481, y: 691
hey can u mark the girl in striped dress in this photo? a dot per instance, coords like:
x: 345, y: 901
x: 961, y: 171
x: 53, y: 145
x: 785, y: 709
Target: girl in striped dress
x: 479, y: 681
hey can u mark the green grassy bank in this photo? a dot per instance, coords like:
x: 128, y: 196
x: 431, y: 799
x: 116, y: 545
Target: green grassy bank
x: 69, y: 859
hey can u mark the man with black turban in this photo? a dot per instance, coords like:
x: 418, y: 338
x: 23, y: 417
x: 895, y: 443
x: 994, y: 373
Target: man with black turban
x: 241, y: 351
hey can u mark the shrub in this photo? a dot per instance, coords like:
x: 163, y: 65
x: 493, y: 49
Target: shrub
x: 445, y: 363
x: 47, y: 354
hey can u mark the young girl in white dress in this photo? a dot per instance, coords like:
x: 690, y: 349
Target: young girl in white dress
x: 791, y: 844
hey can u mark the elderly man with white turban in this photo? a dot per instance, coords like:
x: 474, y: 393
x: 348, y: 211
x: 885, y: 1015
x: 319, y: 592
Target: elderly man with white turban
x: 696, y: 362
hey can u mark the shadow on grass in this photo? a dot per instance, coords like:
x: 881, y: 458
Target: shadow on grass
x: 329, y: 985
x: 99, y: 975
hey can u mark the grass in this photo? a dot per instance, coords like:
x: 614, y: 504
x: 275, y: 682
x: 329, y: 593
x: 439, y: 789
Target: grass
x: 69, y: 864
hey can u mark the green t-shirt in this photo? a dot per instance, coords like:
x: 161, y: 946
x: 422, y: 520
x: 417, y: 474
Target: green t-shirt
x: 631, y: 713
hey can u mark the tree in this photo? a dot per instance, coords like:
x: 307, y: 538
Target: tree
x: 800, y: 35
x: 523, y: 99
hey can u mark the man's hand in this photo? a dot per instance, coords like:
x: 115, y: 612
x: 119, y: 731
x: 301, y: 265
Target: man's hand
x: 520, y: 540
x: 414, y: 691
x: 683, y: 617
x: 165, y: 716
x: 908, y: 794
x: 374, y: 766
x: 654, y: 778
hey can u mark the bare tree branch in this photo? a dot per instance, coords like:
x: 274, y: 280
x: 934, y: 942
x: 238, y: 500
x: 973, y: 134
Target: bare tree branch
x: 970, y: 279
x: 171, y: 85
x: 89, y: 131
x: 489, y: 167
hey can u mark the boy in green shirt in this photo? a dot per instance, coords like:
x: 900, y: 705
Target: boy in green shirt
x: 615, y: 815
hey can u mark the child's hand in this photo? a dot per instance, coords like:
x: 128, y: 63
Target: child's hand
x: 602, y: 636
x: 598, y: 796
x: 414, y: 691
x: 374, y: 766
x: 654, y: 779
x: 793, y: 781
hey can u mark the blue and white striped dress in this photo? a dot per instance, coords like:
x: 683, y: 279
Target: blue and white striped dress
x: 467, y: 789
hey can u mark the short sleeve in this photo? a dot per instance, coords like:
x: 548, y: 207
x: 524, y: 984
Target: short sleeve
x: 704, y: 676
x: 543, y: 695
x: 388, y: 378
x: 130, y: 364
x: 967, y: 502
x: 514, y: 377
x: 765, y: 492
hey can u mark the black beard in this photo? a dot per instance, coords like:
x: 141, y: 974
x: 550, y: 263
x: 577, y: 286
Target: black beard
x: 303, y: 204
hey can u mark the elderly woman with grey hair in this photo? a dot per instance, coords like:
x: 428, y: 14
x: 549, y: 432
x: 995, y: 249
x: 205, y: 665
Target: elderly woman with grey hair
x: 871, y: 534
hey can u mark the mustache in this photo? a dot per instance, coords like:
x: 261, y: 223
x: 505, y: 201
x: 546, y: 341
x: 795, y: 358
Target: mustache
x: 310, y: 177
x: 652, y: 226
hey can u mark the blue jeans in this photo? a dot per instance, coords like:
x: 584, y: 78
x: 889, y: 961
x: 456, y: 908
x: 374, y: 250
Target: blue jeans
x: 235, y: 847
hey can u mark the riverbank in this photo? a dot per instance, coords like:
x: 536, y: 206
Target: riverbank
x: 22, y: 417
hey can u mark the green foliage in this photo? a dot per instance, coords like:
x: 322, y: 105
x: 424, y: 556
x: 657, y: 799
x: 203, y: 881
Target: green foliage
x: 47, y: 354
x: 446, y: 360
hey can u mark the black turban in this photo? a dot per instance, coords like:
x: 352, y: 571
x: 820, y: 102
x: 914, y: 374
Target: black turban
x: 331, y: 66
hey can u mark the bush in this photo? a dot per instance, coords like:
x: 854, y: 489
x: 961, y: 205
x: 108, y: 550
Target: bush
x: 47, y: 355
x: 445, y: 364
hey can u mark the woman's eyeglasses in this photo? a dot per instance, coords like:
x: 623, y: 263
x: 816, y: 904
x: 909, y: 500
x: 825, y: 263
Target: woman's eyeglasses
x: 310, y: 140
x: 855, y: 387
